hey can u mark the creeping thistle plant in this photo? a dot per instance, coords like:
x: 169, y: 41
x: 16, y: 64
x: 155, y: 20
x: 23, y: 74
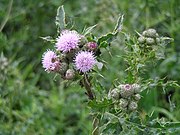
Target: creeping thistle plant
x: 77, y: 57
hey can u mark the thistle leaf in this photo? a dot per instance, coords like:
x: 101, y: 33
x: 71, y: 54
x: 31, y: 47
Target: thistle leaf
x: 119, y: 24
x: 60, y: 18
x: 88, y: 30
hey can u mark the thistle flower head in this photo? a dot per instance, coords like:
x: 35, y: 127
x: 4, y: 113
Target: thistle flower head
x: 91, y: 45
x: 141, y: 39
x: 150, y: 33
x: 126, y: 90
x: 132, y: 106
x: 84, y: 61
x: 67, y: 41
x: 114, y: 94
x: 127, y: 87
x: 69, y: 74
x: 123, y: 103
x: 50, y: 61
x: 150, y: 41
x: 137, y: 97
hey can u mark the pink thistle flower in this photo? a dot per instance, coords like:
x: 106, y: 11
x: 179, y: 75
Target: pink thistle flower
x: 50, y: 61
x: 127, y: 87
x: 84, y: 61
x: 67, y: 41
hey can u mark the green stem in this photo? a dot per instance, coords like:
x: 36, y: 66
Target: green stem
x: 87, y: 86
x: 89, y: 93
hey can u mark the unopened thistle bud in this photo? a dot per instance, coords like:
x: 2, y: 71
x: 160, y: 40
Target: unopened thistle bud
x: 123, y: 103
x: 91, y: 46
x: 157, y: 35
x: 69, y: 74
x: 158, y: 40
x: 150, y: 41
x: 114, y: 94
x: 141, y: 39
x: 144, y: 33
x: 137, y: 97
x: 132, y: 106
x: 126, y: 90
x: 151, y: 33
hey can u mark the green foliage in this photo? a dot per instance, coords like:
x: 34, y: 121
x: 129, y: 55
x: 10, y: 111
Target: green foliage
x: 32, y: 102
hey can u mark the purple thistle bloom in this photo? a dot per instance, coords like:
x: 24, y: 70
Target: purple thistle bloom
x: 67, y: 41
x: 85, y: 61
x: 50, y: 61
x: 127, y: 87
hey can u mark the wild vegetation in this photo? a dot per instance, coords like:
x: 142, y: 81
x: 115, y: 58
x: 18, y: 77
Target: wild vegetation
x: 35, y: 102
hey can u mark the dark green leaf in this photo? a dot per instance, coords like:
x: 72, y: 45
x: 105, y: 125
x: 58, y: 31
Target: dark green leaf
x: 103, y: 44
x: 108, y: 38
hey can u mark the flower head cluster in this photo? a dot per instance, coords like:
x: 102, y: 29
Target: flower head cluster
x: 67, y: 41
x: 84, y: 61
x: 73, y: 54
x: 50, y: 61
x: 126, y: 96
x: 149, y: 37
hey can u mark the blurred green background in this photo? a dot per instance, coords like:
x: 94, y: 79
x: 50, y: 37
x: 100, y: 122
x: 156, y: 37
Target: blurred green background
x: 34, y: 102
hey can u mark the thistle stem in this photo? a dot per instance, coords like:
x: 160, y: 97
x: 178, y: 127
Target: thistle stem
x: 87, y: 86
x: 89, y: 93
